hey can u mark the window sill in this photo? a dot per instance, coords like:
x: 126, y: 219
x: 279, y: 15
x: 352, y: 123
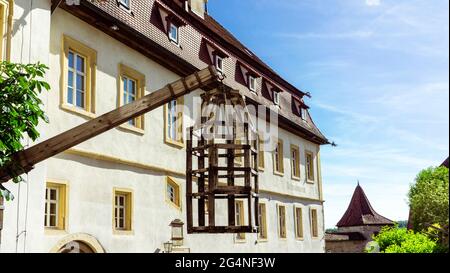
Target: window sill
x: 132, y: 129
x: 300, y: 239
x: 78, y: 111
x: 173, y: 143
x: 240, y: 241
x: 55, y: 232
x: 310, y: 181
x: 261, y: 169
x: 123, y: 232
x: 262, y: 240
x: 175, y: 206
x: 278, y: 173
x: 175, y: 43
x: 295, y: 178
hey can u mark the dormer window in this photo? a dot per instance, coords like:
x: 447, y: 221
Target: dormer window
x: 219, y: 63
x: 173, y: 33
x: 252, y: 83
x: 124, y: 3
x: 276, y: 97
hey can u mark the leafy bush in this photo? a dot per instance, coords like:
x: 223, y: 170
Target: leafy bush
x: 401, y: 240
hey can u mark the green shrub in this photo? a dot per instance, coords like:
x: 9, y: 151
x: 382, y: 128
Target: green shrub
x: 401, y: 240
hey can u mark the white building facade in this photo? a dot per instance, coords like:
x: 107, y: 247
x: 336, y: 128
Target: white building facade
x: 120, y: 191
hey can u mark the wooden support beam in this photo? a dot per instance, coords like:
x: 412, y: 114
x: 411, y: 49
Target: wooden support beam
x: 190, y: 223
x: 26, y: 159
x: 201, y: 185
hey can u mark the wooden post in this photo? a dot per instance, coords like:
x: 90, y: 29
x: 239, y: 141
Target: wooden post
x: 256, y: 179
x: 212, y: 181
x: 230, y: 182
x: 248, y: 173
x: 201, y: 182
x: 189, y: 179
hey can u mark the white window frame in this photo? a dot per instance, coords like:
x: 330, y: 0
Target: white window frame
x: 219, y: 67
x: 276, y: 97
x: 48, y: 202
x: 125, y: 3
x: 177, y: 38
x: 126, y: 94
x: 252, y: 83
x: 303, y: 113
x: 117, y: 208
x: 172, y: 121
x: 75, y: 86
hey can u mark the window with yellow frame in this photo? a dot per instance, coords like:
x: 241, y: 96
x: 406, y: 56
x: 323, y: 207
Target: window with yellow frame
x: 240, y: 218
x: 173, y: 123
x: 295, y: 162
x: 6, y: 16
x: 261, y: 163
x: 122, y: 210
x: 298, y: 216
x: 310, y: 166
x: 173, y: 192
x: 281, y: 221
x: 78, y: 68
x: 314, y: 224
x: 262, y: 222
x: 131, y: 88
x: 278, y: 158
x: 56, y: 206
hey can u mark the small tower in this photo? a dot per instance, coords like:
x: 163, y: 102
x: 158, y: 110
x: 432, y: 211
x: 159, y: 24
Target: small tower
x: 356, y: 227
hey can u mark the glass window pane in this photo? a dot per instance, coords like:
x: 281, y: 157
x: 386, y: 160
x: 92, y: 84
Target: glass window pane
x: 52, y: 194
x: 132, y: 87
x: 69, y: 95
x: 52, y: 208
x: 53, y: 221
x: 80, y: 64
x: 80, y: 99
x: 70, y: 79
x: 71, y: 59
x: 80, y: 82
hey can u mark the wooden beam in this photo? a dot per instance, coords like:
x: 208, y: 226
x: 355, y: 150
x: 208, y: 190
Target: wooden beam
x: 24, y: 161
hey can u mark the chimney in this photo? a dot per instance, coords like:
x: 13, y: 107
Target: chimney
x: 199, y: 7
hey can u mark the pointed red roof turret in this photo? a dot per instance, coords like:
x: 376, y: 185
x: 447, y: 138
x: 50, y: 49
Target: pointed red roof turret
x: 361, y: 213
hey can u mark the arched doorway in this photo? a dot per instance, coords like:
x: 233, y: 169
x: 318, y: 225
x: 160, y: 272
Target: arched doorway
x: 78, y: 243
x: 76, y: 247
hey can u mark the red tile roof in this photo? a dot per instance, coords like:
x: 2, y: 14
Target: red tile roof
x: 361, y: 213
x: 445, y: 163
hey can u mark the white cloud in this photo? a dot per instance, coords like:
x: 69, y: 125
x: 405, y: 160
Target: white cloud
x: 373, y: 2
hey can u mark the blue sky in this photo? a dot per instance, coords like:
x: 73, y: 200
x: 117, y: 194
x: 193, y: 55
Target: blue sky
x: 378, y: 73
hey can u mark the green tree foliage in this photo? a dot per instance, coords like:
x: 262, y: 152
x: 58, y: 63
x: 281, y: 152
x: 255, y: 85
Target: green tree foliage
x: 428, y: 198
x: 401, y: 240
x: 20, y: 108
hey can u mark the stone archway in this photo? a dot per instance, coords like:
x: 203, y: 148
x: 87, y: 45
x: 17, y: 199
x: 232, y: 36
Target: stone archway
x: 78, y: 243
